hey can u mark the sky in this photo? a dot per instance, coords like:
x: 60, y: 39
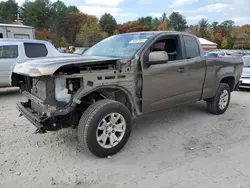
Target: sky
x: 193, y: 10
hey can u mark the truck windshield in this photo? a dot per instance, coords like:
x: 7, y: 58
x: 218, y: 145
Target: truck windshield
x: 246, y: 61
x: 121, y: 46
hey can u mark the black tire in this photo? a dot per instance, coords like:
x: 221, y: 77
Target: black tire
x: 213, y: 106
x: 90, y: 120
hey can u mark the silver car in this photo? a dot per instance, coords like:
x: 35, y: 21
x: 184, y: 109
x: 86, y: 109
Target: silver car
x: 245, y: 78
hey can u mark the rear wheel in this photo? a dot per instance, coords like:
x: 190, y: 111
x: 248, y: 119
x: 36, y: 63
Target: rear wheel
x: 104, y: 128
x: 219, y: 103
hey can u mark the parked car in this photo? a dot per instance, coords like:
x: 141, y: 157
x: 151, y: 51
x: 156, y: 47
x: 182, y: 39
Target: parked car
x: 245, y: 78
x: 239, y: 53
x: 80, y: 51
x: 19, y: 50
x: 119, y: 79
x: 216, y: 54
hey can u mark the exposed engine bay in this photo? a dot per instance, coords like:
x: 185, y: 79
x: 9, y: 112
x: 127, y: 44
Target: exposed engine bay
x: 58, y: 101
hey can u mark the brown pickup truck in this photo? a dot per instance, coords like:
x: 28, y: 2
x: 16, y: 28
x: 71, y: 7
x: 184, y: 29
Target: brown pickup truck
x: 119, y: 79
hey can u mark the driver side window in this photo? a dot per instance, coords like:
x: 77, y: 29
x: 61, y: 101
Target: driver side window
x: 171, y: 45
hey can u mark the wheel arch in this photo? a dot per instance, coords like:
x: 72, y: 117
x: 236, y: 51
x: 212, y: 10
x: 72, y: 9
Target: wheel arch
x: 230, y: 80
x: 113, y: 92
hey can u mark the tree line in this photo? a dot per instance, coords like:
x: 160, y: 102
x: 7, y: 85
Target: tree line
x: 67, y: 25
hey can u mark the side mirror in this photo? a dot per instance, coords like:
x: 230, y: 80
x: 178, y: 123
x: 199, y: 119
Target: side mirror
x: 159, y: 57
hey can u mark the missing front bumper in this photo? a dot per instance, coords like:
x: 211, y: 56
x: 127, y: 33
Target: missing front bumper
x: 44, y: 122
x: 33, y: 117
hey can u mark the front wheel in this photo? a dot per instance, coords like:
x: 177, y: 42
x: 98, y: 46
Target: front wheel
x: 104, y: 128
x: 219, y: 103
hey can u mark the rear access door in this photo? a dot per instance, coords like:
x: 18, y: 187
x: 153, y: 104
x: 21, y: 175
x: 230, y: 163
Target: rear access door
x: 196, y: 68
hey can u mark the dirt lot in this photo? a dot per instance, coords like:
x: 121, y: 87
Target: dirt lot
x: 177, y: 148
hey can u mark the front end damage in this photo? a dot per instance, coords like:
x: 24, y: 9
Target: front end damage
x: 43, y: 108
x: 57, y: 101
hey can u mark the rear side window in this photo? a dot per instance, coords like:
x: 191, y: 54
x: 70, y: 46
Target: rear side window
x: 35, y: 50
x: 8, y: 51
x: 192, y: 47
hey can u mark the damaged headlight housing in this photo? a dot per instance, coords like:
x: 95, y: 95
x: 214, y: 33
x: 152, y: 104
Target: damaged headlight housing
x: 34, y: 72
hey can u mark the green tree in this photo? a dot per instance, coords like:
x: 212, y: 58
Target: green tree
x: 37, y: 13
x: 231, y: 41
x: 203, y: 25
x: 90, y: 34
x: 146, y: 21
x: 59, y: 14
x: 8, y: 11
x: 155, y: 23
x: 73, y: 9
x: 75, y: 21
x: 164, y: 18
x: 214, y: 27
x: 226, y: 27
x: 177, y: 22
x: 108, y: 23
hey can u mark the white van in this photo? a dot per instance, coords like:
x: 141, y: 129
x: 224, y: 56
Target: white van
x: 18, y: 50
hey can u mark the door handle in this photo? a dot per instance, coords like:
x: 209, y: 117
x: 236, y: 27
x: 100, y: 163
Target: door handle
x: 181, y: 70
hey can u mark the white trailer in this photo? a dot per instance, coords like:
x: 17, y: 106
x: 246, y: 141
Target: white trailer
x: 16, y: 31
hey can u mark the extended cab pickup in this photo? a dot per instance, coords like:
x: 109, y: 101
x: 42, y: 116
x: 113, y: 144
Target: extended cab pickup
x: 119, y: 79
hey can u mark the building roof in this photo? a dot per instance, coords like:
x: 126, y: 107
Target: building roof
x: 206, y: 42
x: 15, y: 25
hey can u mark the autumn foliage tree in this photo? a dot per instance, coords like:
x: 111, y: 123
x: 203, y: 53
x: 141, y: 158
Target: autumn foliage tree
x: 162, y: 27
x: 242, y: 35
x: 217, y: 38
x: 194, y: 30
x: 131, y: 27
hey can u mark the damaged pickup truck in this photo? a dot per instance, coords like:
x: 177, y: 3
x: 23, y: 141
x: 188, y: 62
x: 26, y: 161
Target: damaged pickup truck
x: 119, y: 79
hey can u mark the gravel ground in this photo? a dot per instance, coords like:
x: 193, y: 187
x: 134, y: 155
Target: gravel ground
x: 177, y: 148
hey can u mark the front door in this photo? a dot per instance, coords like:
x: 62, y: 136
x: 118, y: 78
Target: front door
x: 165, y: 85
